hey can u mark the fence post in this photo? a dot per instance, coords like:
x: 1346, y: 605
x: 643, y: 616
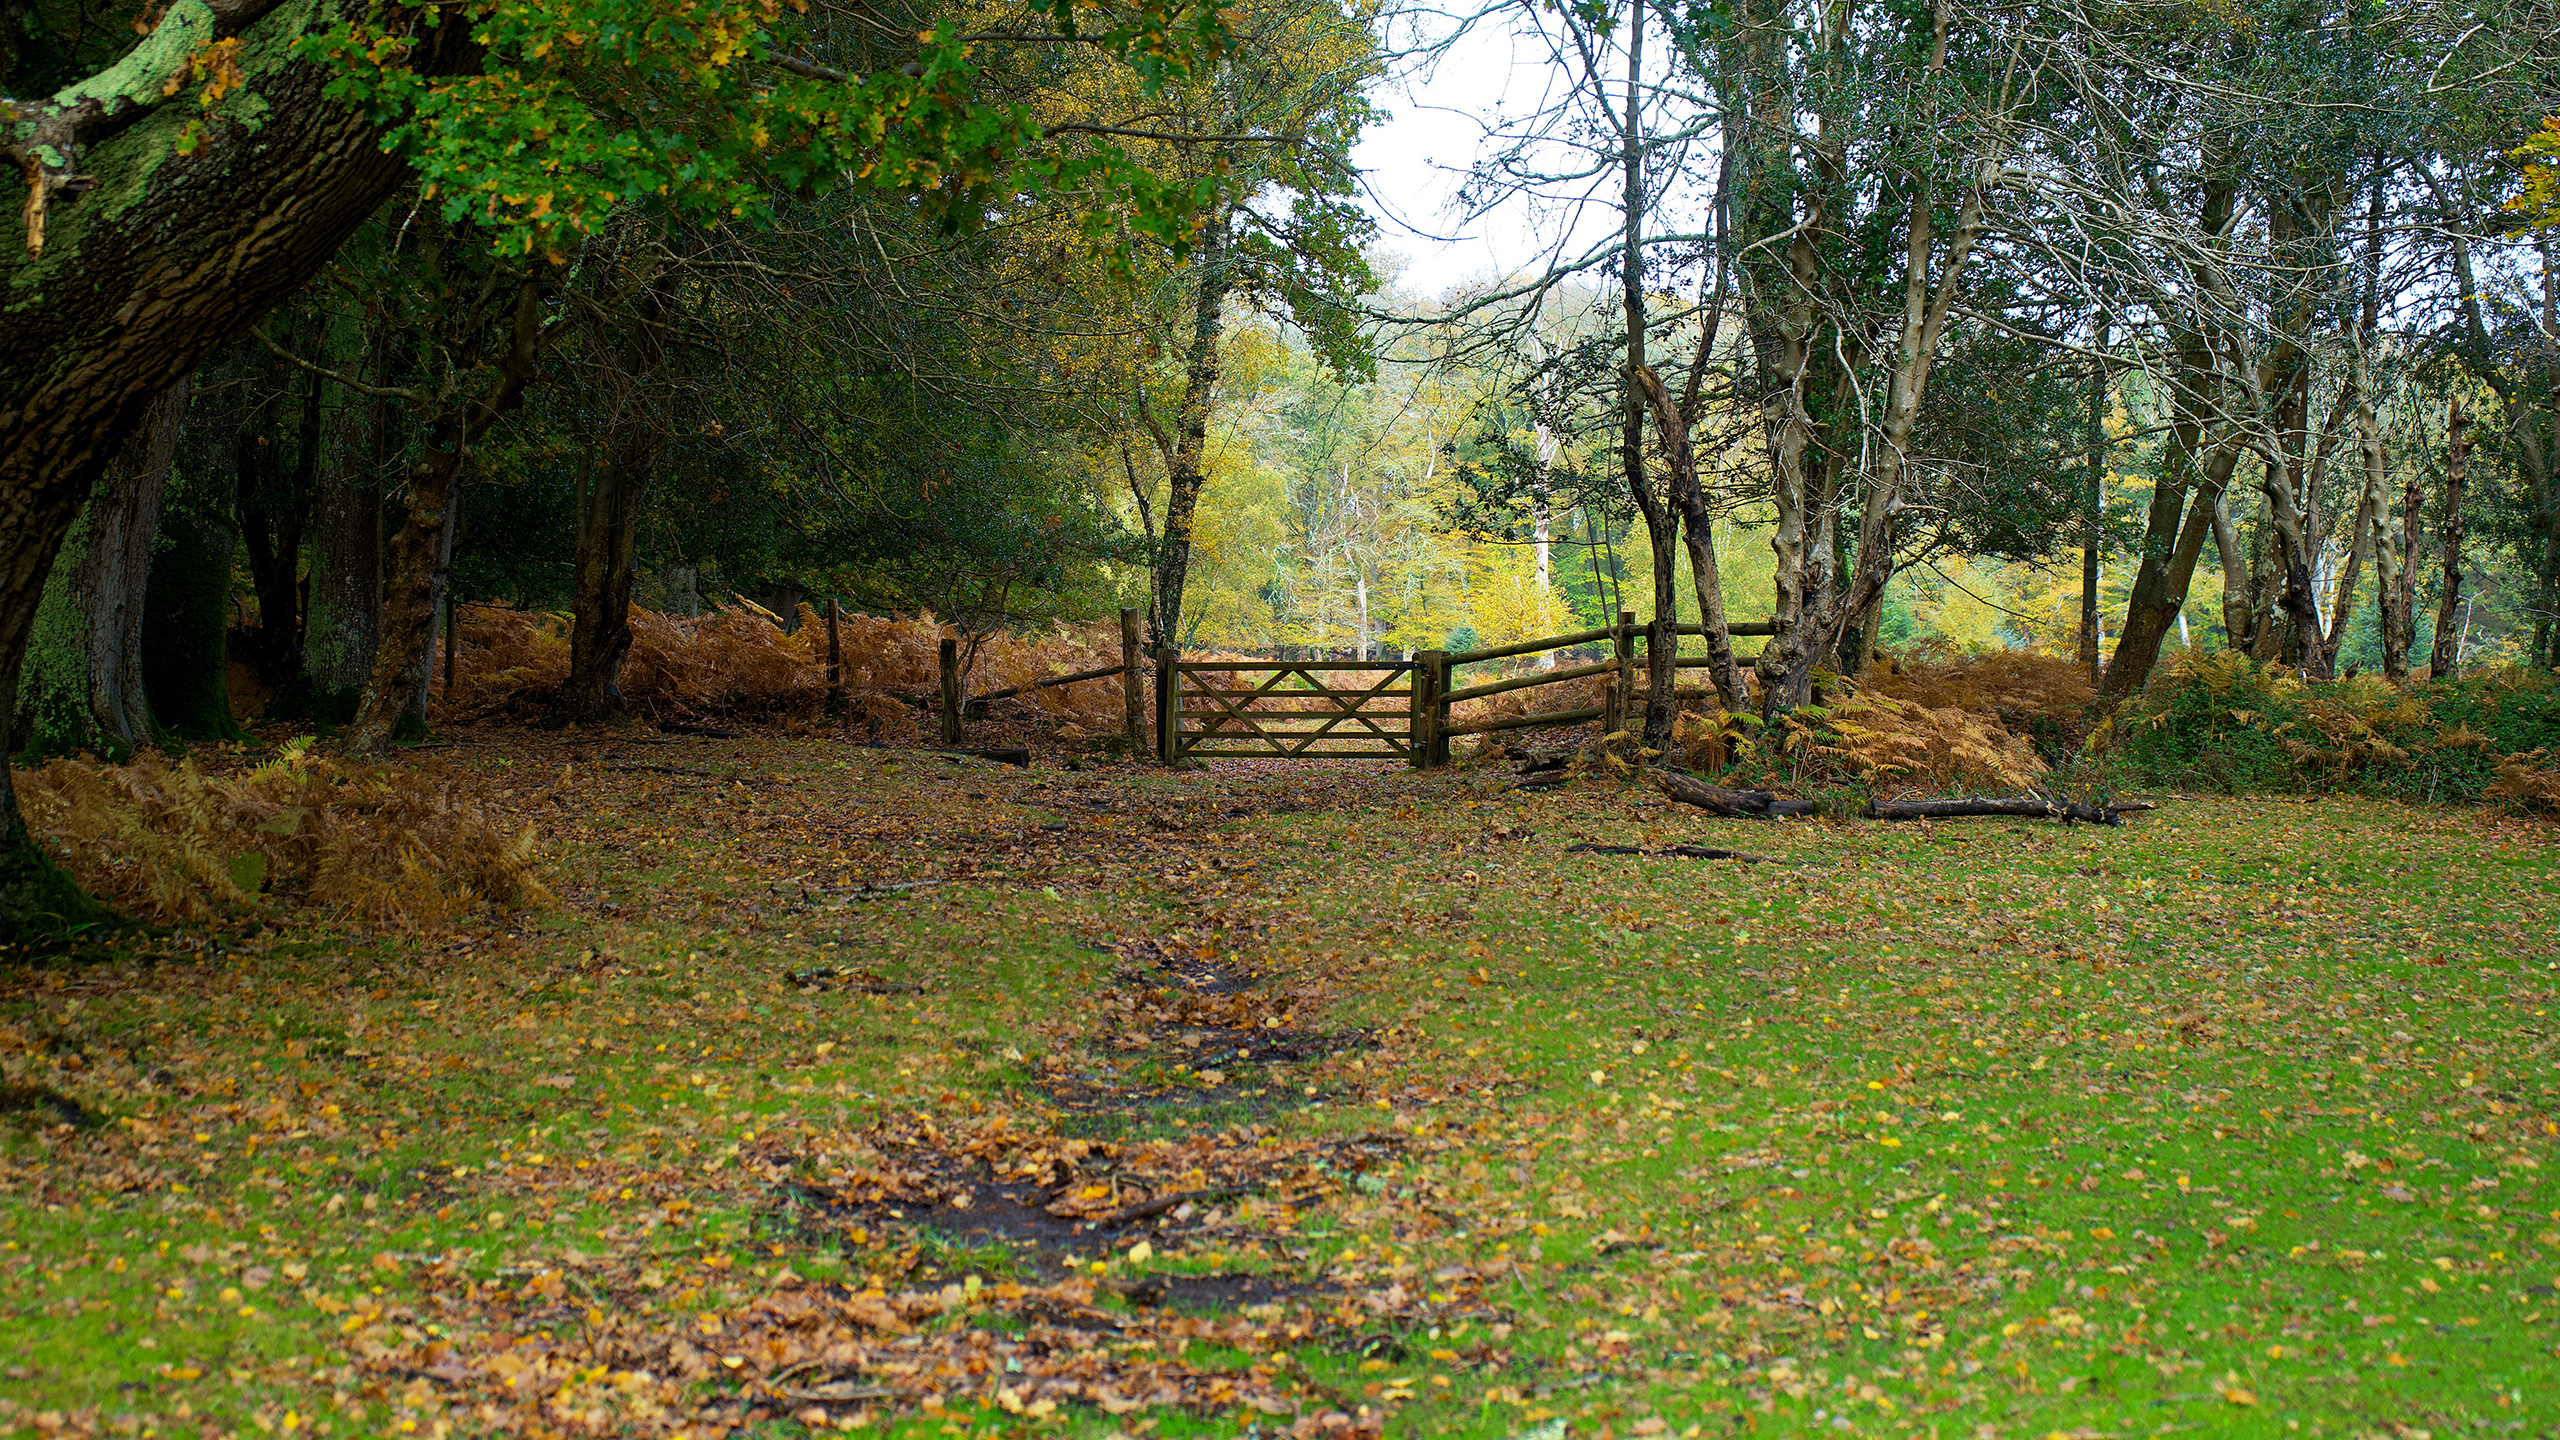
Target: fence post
x: 1622, y: 685
x: 1133, y: 683
x: 835, y: 660
x: 950, y: 691
x: 1440, y: 709
x: 1422, y: 731
x: 1168, y: 705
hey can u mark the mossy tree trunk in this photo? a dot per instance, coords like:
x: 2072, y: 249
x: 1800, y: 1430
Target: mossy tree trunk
x: 81, y: 686
x: 342, y: 618
x: 137, y: 261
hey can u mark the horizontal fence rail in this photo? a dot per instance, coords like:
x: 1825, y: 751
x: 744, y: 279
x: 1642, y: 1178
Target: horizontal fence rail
x: 1099, y: 672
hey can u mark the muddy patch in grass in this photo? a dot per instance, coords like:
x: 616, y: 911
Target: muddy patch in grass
x: 1190, y: 1034
x: 1058, y: 1203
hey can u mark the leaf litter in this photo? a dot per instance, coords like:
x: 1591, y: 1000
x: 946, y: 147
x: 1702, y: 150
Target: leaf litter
x: 2237, y: 1111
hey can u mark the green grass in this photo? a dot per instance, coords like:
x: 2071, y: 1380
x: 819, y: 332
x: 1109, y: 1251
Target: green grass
x: 2233, y: 1121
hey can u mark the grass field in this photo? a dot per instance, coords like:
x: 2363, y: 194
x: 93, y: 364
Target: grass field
x: 2230, y: 1121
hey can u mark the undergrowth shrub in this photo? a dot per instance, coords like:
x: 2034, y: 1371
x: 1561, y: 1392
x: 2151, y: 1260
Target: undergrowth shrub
x: 738, y: 661
x: 2043, y: 698
x: 2222, y: 721
x: 2529, y: 782
x: 379, y: 846
x: 1926, y: 723
x: 1881, y: 743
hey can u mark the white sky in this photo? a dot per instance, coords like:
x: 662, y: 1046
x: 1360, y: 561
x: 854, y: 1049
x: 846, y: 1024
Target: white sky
x: 1435, y: 130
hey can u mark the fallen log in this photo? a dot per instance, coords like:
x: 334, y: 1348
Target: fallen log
x: 2034, y: 807
x: 1541, y: 780
x: 1003, y: 754
x: 1716, y: 799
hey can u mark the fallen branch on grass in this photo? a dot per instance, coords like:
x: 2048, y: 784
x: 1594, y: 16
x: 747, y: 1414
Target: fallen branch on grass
x: 1683, y: 852
x: 1165, y: 1205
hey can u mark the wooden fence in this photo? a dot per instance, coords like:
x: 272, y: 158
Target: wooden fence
x: 1392, y: 710
x: 1436, y: 669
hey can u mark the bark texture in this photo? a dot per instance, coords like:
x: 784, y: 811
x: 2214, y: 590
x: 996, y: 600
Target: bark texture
x: 81, y: 687
x: 2448, y: 650
x: 1691, y: 496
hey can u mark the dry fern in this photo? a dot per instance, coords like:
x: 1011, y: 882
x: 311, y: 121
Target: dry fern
x: 738, y: 661
x: 2530, y: 782
x: 2023, y: 691
x: 383, y: 847
x: 1899, y: 744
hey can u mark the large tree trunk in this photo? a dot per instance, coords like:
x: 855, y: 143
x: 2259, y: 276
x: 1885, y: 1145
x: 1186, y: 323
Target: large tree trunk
x: 1186, y: 452
x: 1786, y: 666
x: 421, y: 551
x: 2185, y: 507
x: 81, y: 685
x: 168, y: 257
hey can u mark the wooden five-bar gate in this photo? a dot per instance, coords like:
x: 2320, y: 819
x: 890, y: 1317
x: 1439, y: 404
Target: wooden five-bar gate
x: 1348, y: 709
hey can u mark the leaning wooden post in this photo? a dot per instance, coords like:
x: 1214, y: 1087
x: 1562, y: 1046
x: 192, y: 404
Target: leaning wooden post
x: 1622, y: 684
x: 835, y: 659
x: 1133, y: 683
x: 1422, y: 729
x: 950, y: 691
x: 1168, y: 704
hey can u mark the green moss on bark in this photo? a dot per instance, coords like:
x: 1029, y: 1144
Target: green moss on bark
x: 52, y: 710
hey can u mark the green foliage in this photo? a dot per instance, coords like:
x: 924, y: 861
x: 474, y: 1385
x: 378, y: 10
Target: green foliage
x: 718, y: 108
x: 2224, y: 722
